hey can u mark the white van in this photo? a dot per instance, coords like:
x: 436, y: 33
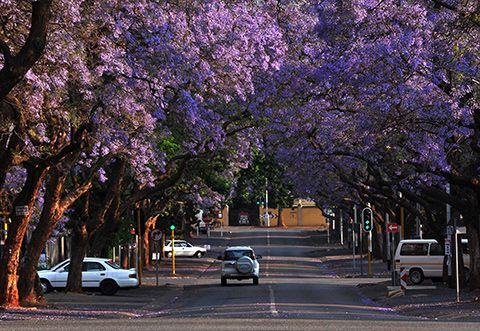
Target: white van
x: 423, y: 258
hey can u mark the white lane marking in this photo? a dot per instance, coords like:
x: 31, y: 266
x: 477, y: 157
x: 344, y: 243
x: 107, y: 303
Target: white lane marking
x: 268, y: 254
x: 273, y: 309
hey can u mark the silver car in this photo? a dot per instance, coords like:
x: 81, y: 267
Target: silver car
x: 240, y: 262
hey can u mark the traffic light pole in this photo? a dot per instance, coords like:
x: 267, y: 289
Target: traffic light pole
x: 370, y: 254
x: 361, y: 251
x: 367, y: 226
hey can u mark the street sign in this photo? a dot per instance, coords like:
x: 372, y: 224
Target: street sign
x: 21, y: 210
x: 156, y: 235
x: 448, y: 250
x: 392, y: 227
x: 450, y: 230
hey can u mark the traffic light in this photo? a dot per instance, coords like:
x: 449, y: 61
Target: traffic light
x: 172, y: 227
x: 367, y: 219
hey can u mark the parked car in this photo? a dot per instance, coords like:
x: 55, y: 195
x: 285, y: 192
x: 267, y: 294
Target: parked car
x: 97, y: 273
x: 424, y: 258
x: 183, y: 248
x: 239, y: 262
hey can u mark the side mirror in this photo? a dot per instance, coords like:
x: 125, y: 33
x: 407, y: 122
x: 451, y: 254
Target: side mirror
x: 259, y: 257
x: 219, y: 257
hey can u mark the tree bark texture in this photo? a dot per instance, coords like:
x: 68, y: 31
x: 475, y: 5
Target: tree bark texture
x: 49, y: 217
x: 79, y: 247
x: 149, y: 226
x: 55, y: 204
x: 280, y: 218
x: 88, y: 223
x: 9, y: 296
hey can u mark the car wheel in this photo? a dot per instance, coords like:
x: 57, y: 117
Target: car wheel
x: 255, y: 280
x: 108, y: 287
x: 46, y: 287
x: 416, y: 276
x: 198, y: 254
x: 223, y: 281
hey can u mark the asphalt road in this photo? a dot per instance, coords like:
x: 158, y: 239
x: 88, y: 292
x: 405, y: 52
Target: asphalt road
x: 294, y: 294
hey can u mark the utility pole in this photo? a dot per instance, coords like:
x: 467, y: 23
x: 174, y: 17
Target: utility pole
x: 354, y: 235
x: 139, y: 246
x: 267, y: 215
x: 172, y: 227
x: 402, y: 219
x: 341, y: 227
x: 449, y: 233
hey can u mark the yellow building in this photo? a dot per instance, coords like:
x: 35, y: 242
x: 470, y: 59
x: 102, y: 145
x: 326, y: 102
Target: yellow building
x: 302, y: 213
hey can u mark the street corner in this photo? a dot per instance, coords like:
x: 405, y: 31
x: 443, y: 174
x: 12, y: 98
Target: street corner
x: 426, y: 302
x: 375, y: 291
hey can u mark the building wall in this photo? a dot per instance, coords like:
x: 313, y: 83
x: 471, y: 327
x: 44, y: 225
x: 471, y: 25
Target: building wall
x: 312, y: 216
x: 297, y: 216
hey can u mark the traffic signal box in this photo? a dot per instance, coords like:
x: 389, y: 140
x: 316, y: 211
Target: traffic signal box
x: 367, y: 219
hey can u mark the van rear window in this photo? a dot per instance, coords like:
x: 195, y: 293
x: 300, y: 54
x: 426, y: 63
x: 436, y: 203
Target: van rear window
x: 436, y: 249
x: 414, y: 249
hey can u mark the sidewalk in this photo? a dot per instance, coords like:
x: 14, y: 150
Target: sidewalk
x: 433, y: 304
x: 145, y: 301
x: 436, y: 304
x: 337, y: 261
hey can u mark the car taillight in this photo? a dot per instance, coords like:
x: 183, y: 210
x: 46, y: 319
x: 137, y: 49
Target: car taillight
x: 132, y: 276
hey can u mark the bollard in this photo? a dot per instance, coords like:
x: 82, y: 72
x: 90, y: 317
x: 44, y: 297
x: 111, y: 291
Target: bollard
x: 403, y: 278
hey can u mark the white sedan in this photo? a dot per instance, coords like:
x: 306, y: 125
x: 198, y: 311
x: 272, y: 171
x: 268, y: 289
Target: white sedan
x: 183, y: 248
x: 96, y: 273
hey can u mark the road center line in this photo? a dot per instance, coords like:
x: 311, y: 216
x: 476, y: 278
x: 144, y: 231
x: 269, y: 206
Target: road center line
x: 268, y: 254
x: 273, y: 309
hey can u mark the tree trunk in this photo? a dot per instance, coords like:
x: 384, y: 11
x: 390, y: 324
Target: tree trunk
x: 124, y: 262
x: 102, y: 237
x: 104, y: 221
x: 280, y: 219
x: 87, y: 224
x: 51, y: 214
x: 9, y: 296
x: 79, y: 247
x: 149, y: 226
x: 53, y: 208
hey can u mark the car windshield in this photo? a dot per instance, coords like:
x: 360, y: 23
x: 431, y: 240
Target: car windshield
x: 59, y: 266
x: 236, y: 254
x: 113, y: 264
